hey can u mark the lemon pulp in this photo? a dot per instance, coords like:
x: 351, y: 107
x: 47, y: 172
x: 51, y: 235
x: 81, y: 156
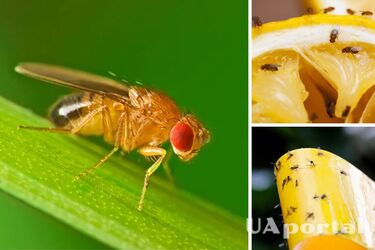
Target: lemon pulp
x: 315, y: 76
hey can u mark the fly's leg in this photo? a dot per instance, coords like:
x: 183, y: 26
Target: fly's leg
x: 98, y: 164
x: 149, y: 152
x: 59, y: 130
x: 107, y: 129
x: 167, y: 167
x: 74, y: 130
x: 118, y: 138
x: 121, y: 130
x: 107, y: 124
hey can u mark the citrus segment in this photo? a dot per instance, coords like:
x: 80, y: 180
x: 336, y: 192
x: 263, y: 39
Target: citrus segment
x: 325, y: 67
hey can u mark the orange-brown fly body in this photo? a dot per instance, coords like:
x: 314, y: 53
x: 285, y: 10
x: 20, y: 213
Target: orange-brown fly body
x: 128, y: 117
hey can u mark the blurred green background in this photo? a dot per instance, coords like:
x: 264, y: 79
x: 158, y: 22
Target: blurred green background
x: 195, y: 51
x: 355, y: 144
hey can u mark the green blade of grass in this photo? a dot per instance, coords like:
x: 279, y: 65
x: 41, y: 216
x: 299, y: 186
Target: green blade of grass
x: 39, y: 168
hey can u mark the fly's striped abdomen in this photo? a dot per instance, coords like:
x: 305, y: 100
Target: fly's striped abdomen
x: 70, y: 109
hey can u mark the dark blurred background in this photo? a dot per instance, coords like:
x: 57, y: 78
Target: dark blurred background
x: 195, y: 51
x: 356, y: 145
x: 274, y: 10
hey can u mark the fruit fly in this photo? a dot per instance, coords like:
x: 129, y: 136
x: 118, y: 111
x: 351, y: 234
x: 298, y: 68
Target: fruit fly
x: 366, y: 13
x: 309, y: 11
x: 346, y: 111
x: 270, y: 67
x: 290, y: 155
x: 128, y: 117
x: 312, y: 163
x: 256, y: 21
x: 350, y: 11
x: 295, y: 167
x: 333, y: 35
x: 328, y: 9
x: 310, y: 215
x: 343, y: 172
x: 351, y: 50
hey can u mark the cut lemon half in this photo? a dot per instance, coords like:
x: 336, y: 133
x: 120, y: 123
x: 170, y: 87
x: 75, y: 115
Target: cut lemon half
x: 314, y: 68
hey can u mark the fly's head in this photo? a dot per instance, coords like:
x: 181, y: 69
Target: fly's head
x: 187, y: 137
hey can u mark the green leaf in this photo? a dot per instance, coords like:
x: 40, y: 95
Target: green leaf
x: 39, y: 168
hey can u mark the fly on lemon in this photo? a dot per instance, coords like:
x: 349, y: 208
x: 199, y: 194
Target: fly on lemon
x: 315, y: 68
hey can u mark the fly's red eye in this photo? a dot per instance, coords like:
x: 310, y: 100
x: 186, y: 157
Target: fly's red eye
x: 182, y: 137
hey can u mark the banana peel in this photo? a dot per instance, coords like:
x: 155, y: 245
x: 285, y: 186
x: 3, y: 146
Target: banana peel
x: 325, y: 201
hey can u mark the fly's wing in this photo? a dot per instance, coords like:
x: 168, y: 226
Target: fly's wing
x: 75, y: 79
